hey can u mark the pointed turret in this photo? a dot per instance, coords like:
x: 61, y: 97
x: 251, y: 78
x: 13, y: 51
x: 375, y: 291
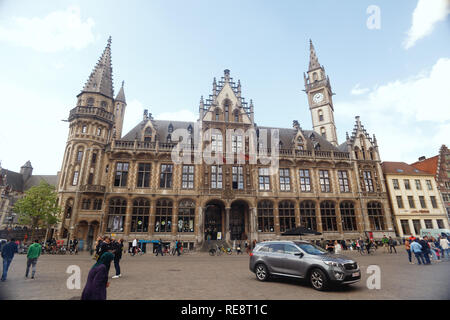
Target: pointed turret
x: 100, y: 80
x: 313, y: 61
x: 121, y: 95
x: 26, y: 170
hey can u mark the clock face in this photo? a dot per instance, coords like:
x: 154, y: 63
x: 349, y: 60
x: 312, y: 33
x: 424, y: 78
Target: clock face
x: 318, y: 97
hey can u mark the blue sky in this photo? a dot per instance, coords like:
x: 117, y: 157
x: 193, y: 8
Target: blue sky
x: 394, y: 77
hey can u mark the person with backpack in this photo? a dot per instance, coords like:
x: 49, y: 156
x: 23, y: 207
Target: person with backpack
x: 392, y: 243
x: 425, y: 249
x: 8, y: 251
x: 34, y: 251
x: 416, y: 248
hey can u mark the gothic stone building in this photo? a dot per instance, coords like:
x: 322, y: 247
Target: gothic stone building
x: 129, y: 187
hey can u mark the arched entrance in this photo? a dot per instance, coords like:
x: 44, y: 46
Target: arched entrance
x: 239, y: 220
x: 214, y: 220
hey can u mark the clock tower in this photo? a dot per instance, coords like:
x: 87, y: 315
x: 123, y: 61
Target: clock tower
x: 318, y: 89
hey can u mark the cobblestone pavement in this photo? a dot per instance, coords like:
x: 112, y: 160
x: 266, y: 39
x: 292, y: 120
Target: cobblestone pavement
x: 199, y: 276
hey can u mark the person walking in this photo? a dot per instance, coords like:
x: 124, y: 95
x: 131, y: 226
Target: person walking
x: 434, y: 250
x: 408, y: 250
x: 134, y: 246
x: 337, y: 247
x: 330, y: 247
x: 425, y: 249
x: 97, y: 247
x: 159, y: 249
x: 416, y: 248
x: 178, y: 247
x: 97, y: 281
x: 105, y: 246
x: 8, y: 251
x: 392, y: 244
x: 445, y: 247
x: 34, y: 251
x: 118, y: 248
x: 385, y: 242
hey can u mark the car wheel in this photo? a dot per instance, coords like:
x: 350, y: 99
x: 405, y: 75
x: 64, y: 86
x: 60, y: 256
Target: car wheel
x: 319, y: 280
x: 262, y: 274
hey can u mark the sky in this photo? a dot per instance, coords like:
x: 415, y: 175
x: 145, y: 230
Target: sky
x: 388, y: 62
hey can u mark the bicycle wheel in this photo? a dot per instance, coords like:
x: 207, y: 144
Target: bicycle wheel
x: 212, y: 252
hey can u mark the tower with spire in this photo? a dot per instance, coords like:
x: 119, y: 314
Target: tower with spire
x: 318, y: 89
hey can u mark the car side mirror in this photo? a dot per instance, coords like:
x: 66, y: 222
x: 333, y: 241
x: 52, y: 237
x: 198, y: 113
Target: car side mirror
x: 299, y: 254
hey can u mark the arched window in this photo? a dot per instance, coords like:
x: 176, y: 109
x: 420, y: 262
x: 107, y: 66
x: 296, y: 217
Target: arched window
x: 286, y: 214
x: 163, y: 218
x: 308, y: 215
x: 186, y: 216
x: 315, y: 76
x: 148, y: 134
x: 69, y: 206
x: 141, y: 215
x: 323, y: 132
x: 236, y: 116
x: 83, y: 128
x: 320, y: 115
x: 265, y: 216
x: 348, y: 216
x: 376, y: 217
x: 328, y: 214
x: 300, y: 145
x: 356, y: 153
x: 227, y: 109
x: 86, y: 204
x: 116, y: 215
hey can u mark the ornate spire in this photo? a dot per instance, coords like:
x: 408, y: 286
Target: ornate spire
x: 121, y: 95
x: 100, y: 80
x: 313, y: 61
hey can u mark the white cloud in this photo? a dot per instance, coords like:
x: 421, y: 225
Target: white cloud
x: 356, y: 90
x: 409, y: 116
x: 426, y: 14
x: 57, y: 31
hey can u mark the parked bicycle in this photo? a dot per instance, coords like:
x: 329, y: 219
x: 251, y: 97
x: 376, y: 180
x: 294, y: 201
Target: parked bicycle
x: 220, y: 250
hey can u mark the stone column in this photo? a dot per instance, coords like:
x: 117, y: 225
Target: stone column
x: 339, y: 219
x: 319, y: 218
x: 253, y: 224
x: 128, y: 213
x: 151, y: 220
x: 199, y: 225
x: 297, y: 214
x: 227, y: 224
x: 276, y: 220
x: 175, y: 218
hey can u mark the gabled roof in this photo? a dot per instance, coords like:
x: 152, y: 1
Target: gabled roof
x: 401, y: 168
x: 161, y: 127
x: 429, y: 165
x: 100, y: 80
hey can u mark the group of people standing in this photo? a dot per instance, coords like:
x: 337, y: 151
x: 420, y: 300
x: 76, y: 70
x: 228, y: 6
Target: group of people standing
x: 426, y: 247
x: 11, y: 248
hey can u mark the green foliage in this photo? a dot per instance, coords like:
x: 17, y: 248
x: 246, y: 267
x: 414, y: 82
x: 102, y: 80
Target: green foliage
x: 39, y: 207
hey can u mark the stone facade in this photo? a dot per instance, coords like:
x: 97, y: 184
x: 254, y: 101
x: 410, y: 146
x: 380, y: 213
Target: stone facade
x: 130, y: 187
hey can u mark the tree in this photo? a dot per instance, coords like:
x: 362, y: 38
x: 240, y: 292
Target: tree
x: 39, y: 207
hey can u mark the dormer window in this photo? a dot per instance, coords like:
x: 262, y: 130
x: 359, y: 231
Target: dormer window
x: 170, y: 129
x: 148, y: 134
x: 217, y: 114
x: 300, y: 143
x: 227, y: 109
x: 236, y: 116
x: 169, y: 138
x: 190, y: 130
x: 317, y: 146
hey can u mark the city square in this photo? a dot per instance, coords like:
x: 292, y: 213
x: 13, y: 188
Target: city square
x: 198, y: 276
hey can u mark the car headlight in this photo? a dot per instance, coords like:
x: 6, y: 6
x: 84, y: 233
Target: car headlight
x: 334, y: 264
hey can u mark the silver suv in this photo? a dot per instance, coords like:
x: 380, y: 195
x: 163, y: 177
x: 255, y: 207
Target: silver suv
x: 301, y: 259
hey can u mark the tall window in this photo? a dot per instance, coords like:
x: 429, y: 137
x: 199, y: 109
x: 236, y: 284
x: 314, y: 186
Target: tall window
x: 121, y: 176
x: 227, y: 110
x: 236, y: 116
x: 97, y: 204
x: 238, y: 178
x: 84, y: 129
x: 216, y: 143
x: 348, y: 216
x: 165, y: 178
x: 405, y: 227
x: 285, y: 179
x: 265, y: 216
x: 186, y: 216
x: 99, y: 131
x: 163, y: 218
x: 428, y: 224
x: 141, y: 215
x: 407, y: 185
x: 308, y: 215
x: 433, y: 202
x: 422, y: 202
x: 116, y: 215
x: 86, y: 204
x: 264, y: 179
x: 417, y: 226
x: 395, y: 183
x: 187, y: 178
x: 79, y: 155
x: 324, y: 179
x: 216, y: 177
x: 343, y: 181
x: 236, y: 143
x: 320, y: 115
x: 328, y: 214
x: 217, y: 114
x: 440, y: 223
x: 144, y: 171
x: 90, y: 178
x: 75, y: 178
x: 368, y: 182
x: 418, y: 184
x: 376, y: 218
x: 94, y: 158
x: 411, y: 202
x: 429, y: 185
x: 286, y: 214
x: 305, y: 180
x: 400, y: 202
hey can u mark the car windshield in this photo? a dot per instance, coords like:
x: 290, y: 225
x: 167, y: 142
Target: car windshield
x: 311, y: 248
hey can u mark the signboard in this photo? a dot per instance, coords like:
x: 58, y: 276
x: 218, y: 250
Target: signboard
x: 219, y: 235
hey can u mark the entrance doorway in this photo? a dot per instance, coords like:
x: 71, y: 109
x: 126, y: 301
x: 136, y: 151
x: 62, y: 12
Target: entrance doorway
x: 238, y: 212
x: 213, y: 221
